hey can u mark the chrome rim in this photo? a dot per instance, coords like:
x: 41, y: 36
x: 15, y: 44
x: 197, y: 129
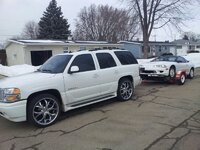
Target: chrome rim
x: 172, y: 73
x: 192, y: 73
x: 45, y: 111
x: 182, y: 79
x: 126, y: 90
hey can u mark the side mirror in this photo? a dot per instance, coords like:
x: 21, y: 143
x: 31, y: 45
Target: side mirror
x: 74, y: 69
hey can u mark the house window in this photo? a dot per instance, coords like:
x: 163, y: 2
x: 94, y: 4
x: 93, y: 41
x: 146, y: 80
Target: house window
x: 65, y: 51
x: 82, y: 48
x: 178, y: 47
x: 198, y: 46
x: 160, y: 48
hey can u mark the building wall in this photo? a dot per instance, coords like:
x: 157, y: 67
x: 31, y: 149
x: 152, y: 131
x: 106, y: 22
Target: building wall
x: 15, y: 54
x: 134, y: 48
x: 182, y: 51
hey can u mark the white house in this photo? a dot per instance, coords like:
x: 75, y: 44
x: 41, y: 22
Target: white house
x: 36, y: 52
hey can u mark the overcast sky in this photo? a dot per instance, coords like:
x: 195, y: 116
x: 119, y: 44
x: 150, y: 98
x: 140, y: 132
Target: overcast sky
x: 15, y: 13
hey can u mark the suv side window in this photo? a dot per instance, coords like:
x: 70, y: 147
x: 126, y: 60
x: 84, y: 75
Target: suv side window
x: 105, y: 60
x: 126, y: 57
x: 85, y: 62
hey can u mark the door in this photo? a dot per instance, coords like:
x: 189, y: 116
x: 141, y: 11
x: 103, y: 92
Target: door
x: 82, y: 86
x: 182, y: 64
x: 39, y: 57
x: 108, y: 73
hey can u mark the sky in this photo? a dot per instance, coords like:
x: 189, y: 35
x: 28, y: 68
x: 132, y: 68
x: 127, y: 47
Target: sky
x: 14, y: 14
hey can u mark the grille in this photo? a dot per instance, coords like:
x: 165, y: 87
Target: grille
x: 142, y: 70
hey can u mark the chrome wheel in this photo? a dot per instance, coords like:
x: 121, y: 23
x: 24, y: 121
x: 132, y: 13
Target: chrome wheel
x: 182, y: 78
x: 126, y: 90
x: 45, y: 111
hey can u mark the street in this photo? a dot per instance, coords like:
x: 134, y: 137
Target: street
x: 161, y: 116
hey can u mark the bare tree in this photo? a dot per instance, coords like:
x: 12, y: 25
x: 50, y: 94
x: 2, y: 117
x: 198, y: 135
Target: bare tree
x: 30, y: 31
x: 105, y: 23
x: 190, y: 36
x: 155, y: 14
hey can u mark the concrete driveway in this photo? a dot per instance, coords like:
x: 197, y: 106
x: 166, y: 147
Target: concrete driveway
x: 160, y: 116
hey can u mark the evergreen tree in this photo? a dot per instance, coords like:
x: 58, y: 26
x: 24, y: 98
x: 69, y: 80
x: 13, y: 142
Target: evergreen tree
x: 52, y: 25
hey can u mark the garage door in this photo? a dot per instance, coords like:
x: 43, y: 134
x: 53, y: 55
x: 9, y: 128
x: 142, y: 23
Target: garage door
x: 39, y: 57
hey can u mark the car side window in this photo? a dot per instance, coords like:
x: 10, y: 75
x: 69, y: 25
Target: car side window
x: 105, y: 60
x: 181, y: 60
x: 126, y: 57
x: 85, y: 62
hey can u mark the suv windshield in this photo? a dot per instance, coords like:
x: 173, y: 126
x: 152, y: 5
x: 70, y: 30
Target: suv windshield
x: 55, y: 64
x: 166, y: 58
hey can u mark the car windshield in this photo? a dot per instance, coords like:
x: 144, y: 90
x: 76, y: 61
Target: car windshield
x: 55, y: 64
x: 166, y: 58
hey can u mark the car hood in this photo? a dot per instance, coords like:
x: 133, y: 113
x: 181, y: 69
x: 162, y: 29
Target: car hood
x: 22, y: 80
x: 151, y: 64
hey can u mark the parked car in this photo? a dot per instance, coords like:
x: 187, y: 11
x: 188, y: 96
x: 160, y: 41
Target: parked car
x: 166, y: 67
x: 68, y: 81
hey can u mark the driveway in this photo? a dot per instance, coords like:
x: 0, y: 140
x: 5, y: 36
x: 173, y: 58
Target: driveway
x: 160, y: 116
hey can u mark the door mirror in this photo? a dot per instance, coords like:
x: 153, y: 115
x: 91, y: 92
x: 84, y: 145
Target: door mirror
x: 74, y: 69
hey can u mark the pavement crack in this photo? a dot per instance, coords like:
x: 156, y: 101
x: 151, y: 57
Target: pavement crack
x: 12, y: 147
x: 54, y: 131
x: 171, y: 130
x: 34, y: 147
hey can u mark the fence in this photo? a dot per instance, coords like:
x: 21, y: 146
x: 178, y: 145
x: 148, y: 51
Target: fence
x: 3, y: 58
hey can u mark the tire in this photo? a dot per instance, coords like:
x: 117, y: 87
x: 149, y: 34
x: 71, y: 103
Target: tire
x: 182, y: 79
x: 125, y: 89
x: 172, y: 72
x: 43, y: 110
x: 191, y: 75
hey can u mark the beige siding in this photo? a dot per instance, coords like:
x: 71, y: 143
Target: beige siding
x: 15, y: 54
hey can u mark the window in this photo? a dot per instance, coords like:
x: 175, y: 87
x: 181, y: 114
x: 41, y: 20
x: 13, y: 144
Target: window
x: 84, y: 62
x: 82, y: 48
x: 198, y: 46
x: 181, y: 60
x: 126, y: 57
x: 56, y: 64
x: 178, y: 47
x: 105, y: 60
x: 160, y: 48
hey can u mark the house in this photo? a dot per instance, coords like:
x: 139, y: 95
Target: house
x: 185, y: 46
x: 155, y: 48
x: 36, y: 52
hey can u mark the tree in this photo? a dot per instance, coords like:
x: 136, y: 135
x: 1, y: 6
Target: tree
x: 31, y: 30
x: 105, y: 23
x: 190, y: 36
x: 155, y: 14
x: 53, y: 25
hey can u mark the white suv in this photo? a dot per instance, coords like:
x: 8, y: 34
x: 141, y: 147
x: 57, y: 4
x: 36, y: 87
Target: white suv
x: 68, y: 81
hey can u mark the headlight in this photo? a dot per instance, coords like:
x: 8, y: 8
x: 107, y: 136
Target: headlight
x: 9, y: 95
x: 161, y: 66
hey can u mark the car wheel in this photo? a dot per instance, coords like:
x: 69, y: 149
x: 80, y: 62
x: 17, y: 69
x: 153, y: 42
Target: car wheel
x: 172, y: 72
x: 191, y: 75
x: 125, y: 89
x: 43, y: 110
x: 182, y: 79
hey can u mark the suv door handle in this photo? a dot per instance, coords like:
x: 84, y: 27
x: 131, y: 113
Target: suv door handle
x: 95, y: 76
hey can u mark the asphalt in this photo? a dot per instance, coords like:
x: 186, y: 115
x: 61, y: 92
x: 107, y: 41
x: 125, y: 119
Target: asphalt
x: 161, y: 116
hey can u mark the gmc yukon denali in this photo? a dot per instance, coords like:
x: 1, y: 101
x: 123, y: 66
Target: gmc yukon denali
x: 68, y: 81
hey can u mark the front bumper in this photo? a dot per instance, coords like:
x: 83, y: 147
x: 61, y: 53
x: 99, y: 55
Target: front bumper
x: 15, y: 112
x: 154, y: 72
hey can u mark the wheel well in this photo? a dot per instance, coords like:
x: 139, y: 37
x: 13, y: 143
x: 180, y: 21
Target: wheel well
x: 173, y: 67
x: 53, y: 92
x: 126, y: 77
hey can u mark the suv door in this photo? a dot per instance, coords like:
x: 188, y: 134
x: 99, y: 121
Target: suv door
x: 108, y: 73
x: 82, y: 86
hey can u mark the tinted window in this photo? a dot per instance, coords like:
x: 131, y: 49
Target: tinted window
x: 181, y: 59
x: 105, y: 60
x: 166, y: 58
x: 84, y: 62
x: 56, y: 64
x: 126, y: 57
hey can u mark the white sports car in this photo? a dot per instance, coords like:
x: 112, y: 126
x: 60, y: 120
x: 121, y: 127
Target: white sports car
x: 166, y: 67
